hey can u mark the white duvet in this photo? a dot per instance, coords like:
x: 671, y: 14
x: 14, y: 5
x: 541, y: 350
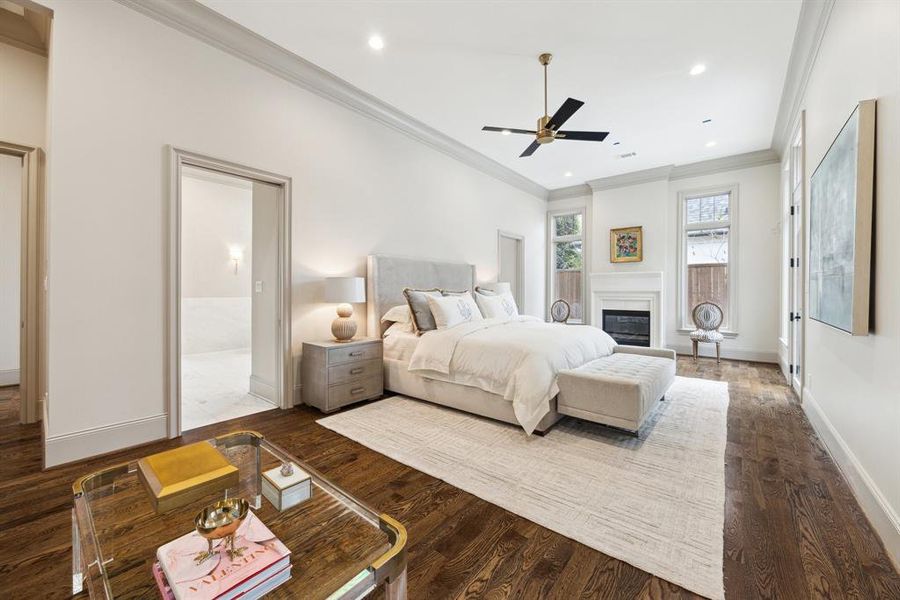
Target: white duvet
x: 516, y: 359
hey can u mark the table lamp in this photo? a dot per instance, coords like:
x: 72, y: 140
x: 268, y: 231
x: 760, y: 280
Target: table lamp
x: 344, y: 290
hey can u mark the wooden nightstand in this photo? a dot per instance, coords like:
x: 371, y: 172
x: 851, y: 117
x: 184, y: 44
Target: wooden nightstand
x: 336, y: 374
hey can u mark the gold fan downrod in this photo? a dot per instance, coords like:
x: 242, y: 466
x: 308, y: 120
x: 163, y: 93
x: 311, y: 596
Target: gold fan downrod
x: 544, y: 135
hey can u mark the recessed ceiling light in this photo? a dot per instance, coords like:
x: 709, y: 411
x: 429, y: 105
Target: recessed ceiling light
x: 567, y: 174
x: 697, y: 69
x: 376, y: 42
x: 710, y: 144
x: 505, y: 132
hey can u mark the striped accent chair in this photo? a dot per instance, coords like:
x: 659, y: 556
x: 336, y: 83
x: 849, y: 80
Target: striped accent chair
x: 707, y: 317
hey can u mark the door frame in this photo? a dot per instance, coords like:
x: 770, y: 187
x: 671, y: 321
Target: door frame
x: 520, y: 263
x: 32, y: 290
x: 179, y: 158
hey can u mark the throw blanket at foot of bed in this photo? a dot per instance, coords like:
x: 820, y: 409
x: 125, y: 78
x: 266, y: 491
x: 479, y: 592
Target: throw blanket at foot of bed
x: 517, y: 359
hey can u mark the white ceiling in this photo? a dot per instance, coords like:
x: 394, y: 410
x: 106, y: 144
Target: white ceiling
x: 458, y: 65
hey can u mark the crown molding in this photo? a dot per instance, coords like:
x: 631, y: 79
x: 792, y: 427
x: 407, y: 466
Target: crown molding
x: 726, y: 163
x: 811, y: 25
x: 633, y: 178
x: 672, y: 172
x: 202, y: 23
x: 573, y: 191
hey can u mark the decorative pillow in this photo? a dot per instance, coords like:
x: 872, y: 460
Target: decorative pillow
x: 499, y: 306
x: 450, y: 311
x: 422, y: 318
x: 484, y: 291
x: 454, y: 293
x: 397, y: 314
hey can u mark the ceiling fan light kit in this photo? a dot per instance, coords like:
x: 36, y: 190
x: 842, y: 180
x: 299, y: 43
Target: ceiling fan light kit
x: 548, y: 128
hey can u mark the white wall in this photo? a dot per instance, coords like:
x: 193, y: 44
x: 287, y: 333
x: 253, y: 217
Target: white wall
x: 124, y: 86
x: 852, y: 389
x: 654, y: 206
x: 10, y: 257
x: 215, y: 216
x: 23, y: 96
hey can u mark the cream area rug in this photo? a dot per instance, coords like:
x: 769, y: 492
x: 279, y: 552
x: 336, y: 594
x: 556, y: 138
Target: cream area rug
x: 656, y: 502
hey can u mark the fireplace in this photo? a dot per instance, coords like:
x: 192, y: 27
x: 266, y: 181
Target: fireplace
x: 629, y: 327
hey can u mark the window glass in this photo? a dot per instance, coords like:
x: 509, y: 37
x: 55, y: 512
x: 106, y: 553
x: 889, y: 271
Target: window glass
x: 569, y: 256
x: 707, y: 269
x: 706, y: 209
x: 567, y: 225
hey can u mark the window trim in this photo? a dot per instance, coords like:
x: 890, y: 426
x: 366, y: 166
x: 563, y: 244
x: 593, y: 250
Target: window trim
x: 733, y: 259
x: 585, y: 258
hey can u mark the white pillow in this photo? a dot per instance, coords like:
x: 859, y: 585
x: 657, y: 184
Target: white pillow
x: 500, y: 306
x: 450, y: 311
x: 398, y: 327
x: 397, y: 314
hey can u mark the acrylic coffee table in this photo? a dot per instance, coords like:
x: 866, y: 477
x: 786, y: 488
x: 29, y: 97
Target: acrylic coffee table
x: 340, y: 548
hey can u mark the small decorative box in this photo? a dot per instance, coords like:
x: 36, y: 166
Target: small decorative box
x: 286, y: 486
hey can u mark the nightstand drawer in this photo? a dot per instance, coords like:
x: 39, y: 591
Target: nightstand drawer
x: 354, y: 353
x: 354, y: 371
x: 347, y: 393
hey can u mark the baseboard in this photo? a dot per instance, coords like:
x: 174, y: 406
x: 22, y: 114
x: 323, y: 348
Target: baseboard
x: 882, y: 517
x: 709, y: 351
x: 69, y: 447
x: 262, y: 389
x: 9, y: 377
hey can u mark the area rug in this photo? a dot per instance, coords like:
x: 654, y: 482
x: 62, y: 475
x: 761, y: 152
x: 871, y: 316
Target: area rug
x: 656, y: 502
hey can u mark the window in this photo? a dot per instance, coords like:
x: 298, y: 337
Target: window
x: 567, y: 261
x: 707, y: 246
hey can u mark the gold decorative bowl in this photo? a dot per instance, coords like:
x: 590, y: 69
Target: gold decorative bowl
x: 221, y: 520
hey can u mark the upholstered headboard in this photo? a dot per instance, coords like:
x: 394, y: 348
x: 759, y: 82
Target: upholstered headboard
x: 387, y: 276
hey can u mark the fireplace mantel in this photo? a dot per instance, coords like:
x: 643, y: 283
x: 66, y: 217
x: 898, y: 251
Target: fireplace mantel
x: 639, y: 290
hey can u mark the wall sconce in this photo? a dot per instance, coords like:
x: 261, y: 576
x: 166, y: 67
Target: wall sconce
x: 236, y: 255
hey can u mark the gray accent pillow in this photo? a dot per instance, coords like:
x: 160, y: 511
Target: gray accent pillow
x: 418, y: 306
x: 454, y: 293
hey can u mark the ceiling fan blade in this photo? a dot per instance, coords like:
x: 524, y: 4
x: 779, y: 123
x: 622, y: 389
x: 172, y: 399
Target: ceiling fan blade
x: 587, y: 136
x: 565, y: 111
x: 509, y: 129
x: 530, y: 149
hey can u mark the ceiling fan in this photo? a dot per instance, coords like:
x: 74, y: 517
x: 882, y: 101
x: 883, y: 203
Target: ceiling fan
x: 548, y: 128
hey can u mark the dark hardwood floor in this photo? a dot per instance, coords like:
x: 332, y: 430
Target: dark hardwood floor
x: 792, y: 527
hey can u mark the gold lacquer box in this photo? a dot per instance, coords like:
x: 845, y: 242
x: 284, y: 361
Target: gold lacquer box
x: 177, y: 477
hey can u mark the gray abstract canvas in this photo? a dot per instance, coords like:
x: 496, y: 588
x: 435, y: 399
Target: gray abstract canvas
x: 832, y: 221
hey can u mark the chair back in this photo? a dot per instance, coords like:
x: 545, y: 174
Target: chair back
x: 560, y: 311
x: 708, y: 316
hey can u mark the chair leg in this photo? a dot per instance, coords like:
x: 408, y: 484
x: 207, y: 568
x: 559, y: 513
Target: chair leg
x: 694, y: 343
x: 718, y: 354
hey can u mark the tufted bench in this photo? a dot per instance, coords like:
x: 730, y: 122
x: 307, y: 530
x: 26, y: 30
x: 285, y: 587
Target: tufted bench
x: 619, y: 390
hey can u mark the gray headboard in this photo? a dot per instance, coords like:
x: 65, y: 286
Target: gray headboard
x: 386, y: 277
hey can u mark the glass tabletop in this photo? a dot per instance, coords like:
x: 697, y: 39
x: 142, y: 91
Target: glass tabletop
x: 340, y: 548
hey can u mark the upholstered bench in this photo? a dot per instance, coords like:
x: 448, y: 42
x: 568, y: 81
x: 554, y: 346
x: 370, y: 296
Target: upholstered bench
x: 618, y: 390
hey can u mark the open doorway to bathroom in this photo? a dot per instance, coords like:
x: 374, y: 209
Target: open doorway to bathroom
x: 231, y: 290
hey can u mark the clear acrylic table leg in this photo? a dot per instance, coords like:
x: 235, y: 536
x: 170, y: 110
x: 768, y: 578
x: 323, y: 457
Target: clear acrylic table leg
x: 77, y: 575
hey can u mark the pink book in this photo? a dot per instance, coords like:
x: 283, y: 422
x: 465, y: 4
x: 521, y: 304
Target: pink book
x: 165, y: 591
x: 221, y: 577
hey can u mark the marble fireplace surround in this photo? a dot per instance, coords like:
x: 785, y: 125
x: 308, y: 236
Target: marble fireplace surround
x: 639, y: 290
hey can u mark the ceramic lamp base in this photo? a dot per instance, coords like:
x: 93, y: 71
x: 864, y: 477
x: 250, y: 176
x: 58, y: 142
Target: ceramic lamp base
x: 344, y: 327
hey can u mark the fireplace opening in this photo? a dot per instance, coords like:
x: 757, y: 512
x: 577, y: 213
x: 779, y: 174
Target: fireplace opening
x: 629, y: 327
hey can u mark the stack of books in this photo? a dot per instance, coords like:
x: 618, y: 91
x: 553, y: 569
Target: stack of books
x: 264, y: 563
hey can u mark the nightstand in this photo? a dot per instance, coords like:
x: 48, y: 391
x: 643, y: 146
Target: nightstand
x: 335, y: 374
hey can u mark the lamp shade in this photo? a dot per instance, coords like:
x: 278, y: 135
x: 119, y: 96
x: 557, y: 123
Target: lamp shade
x: 345, y: 289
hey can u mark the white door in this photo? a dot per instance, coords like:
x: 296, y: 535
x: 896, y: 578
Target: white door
x: 797, y: 268
x: 511, y: 264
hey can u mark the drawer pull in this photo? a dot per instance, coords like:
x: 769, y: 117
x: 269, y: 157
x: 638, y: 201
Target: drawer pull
x: 356, y: 371
x: 358, y: 390
x: 357, y: 353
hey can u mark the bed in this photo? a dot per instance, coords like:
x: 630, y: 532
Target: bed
x: 566, y: 346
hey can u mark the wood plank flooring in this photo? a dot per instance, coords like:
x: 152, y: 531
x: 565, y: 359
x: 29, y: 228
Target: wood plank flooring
x: 792, y: 527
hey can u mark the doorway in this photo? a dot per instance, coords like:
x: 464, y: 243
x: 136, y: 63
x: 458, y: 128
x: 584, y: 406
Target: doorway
x: 511, y: 264
x: 230, y: 292
x: 22, y: 269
